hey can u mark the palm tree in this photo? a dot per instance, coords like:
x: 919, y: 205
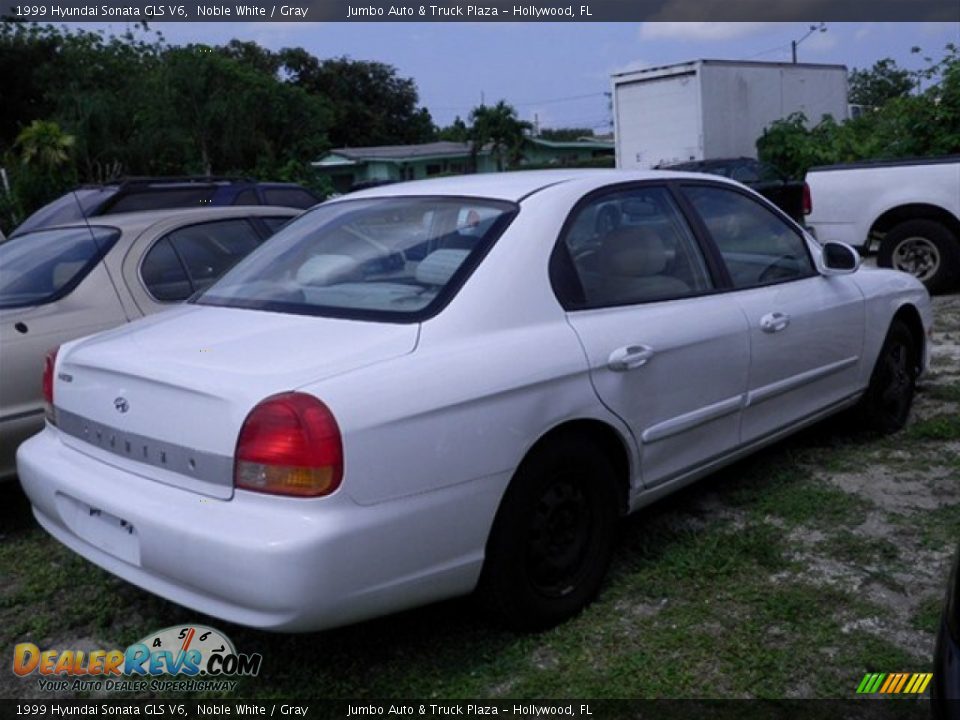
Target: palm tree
x: 44, y: 145
x: 500, y: 127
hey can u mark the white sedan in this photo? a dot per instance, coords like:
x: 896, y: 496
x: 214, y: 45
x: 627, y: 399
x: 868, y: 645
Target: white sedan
x: 422, y: 389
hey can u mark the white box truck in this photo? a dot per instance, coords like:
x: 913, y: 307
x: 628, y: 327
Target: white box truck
x: 707, y: 109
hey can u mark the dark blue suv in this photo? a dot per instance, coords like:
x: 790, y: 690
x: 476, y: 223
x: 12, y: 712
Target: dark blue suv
x: 135, y: 194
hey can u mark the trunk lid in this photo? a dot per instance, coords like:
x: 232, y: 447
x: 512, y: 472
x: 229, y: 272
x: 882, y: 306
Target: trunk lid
x: 165, y: 397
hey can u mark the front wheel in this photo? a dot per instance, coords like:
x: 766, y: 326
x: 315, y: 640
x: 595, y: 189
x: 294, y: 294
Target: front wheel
x: 886, y: 404
x: 553, y: 536
x: 925, y: 249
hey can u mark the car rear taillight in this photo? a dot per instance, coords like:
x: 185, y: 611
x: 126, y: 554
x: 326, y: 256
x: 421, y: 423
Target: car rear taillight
x: 807, y: 200
x: 289, y: 445
x: 49, y: 365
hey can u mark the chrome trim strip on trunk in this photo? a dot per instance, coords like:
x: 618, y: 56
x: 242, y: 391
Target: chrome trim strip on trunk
x: 200, y: 465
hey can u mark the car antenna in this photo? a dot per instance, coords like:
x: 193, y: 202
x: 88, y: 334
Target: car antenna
x: 100, y: 249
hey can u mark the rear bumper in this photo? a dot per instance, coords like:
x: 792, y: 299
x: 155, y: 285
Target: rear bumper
x: 268, y: 562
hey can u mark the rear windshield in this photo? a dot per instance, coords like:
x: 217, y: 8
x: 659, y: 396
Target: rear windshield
x: 45, y: 265
x: 75, y: 205
x: 398, y: 259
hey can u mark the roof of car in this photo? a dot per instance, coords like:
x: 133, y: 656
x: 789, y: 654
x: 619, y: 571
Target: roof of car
x: 137, y: 221
x: 513, y: 186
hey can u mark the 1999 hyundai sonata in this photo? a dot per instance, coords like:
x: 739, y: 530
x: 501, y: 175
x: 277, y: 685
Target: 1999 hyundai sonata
x: 426, y: 388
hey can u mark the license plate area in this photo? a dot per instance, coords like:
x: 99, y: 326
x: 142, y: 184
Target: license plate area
x: 109, y: 533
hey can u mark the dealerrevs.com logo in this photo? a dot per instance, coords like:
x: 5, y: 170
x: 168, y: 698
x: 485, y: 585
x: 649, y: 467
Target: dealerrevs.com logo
x: 197, y: 657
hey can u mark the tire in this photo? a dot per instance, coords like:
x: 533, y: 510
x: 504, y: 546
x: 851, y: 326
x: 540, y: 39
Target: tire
x: 886, y: 404
x: 553, y: 536
x: 925, y: 249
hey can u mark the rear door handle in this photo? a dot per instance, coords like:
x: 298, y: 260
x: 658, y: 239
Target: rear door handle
x: 774, y: 322
x: 630, y: 357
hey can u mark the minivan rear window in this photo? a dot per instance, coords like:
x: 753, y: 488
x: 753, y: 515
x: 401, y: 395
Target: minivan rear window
x: 45, y: 265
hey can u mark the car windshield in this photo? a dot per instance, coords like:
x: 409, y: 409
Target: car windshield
x: 75, y: 205
x: 43, y: 266
x: 394, y: 258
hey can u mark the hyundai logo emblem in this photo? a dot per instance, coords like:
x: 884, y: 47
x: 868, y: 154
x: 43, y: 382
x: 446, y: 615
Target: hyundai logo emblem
x: 121, y: 404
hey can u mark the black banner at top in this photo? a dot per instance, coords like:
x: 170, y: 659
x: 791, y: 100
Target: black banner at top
x: 496, y: 11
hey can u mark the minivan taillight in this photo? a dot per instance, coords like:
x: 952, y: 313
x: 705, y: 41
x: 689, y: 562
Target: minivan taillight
x: 289, y: 445
x: 807, y: 200
x: 49, y: 365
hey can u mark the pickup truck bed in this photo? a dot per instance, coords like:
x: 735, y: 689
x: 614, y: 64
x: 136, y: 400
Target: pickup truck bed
x: 909, y: 210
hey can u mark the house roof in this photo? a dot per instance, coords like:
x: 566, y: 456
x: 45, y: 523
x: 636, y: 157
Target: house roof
x: 394, y: 153
x: 580, y: 144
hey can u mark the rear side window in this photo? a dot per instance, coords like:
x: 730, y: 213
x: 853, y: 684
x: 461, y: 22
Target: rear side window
x: 757, y: 246
x: 43, y: 266
x: 290, y: 197
x: 193, y: 257
x: 630, y: 247
x: 163, y: 273
x: 162, y: 199
x: 247, y: 197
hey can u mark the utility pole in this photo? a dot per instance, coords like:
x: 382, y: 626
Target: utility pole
x: 822, y: 27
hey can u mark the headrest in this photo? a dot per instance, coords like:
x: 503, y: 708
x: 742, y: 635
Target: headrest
x: 439, y: 266
x: 633, y: 252
x: 325, y: 269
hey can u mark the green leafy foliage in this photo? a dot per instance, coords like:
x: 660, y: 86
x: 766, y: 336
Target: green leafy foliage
x: 911, y: 115
x: 499, y: 127
x: 131, y: 104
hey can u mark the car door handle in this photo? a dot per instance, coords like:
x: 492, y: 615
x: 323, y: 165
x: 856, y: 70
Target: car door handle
x: 774, y: 322
x: 630, y: 357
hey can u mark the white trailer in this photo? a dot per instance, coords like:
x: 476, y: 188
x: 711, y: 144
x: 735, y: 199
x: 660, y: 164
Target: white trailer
x: 707, y: 109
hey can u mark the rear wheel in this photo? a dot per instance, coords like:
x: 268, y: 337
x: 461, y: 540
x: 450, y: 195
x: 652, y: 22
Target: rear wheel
x: 553, y: 535
x: 925, y: 249
x: 886, y: 404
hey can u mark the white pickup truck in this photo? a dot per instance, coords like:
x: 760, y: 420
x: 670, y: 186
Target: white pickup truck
x: 909, y: 210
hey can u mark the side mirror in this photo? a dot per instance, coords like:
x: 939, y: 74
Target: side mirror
x: 839, y: 259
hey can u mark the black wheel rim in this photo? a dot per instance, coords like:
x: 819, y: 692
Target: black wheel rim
x: 897, y: 382
x: 560, y: 535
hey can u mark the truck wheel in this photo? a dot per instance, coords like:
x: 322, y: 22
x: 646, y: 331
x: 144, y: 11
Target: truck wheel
x: 553, y: 536
x: 925, y: 249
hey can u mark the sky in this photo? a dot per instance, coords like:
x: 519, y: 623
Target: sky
x: 557, y: 74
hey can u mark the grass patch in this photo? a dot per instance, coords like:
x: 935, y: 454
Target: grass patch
x: 939, y: 427
x: 927, y: 615
x: 861, y: 551
x: 938, y: 527
x: 946, y: 392
x: 796, y: 498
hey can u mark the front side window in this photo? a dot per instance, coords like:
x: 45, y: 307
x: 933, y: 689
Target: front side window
x: 757, y: 246
x: 45, y: 265
x: 385, y: 258
x: 632, y: 247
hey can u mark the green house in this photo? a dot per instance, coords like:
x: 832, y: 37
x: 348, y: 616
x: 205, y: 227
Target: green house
x: 537, y: 151
x: 351, y: 167
x: 347, y: 167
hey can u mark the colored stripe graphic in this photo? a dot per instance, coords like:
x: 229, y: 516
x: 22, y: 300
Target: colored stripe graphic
x: 871, y: 683
x: 894, y: 683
